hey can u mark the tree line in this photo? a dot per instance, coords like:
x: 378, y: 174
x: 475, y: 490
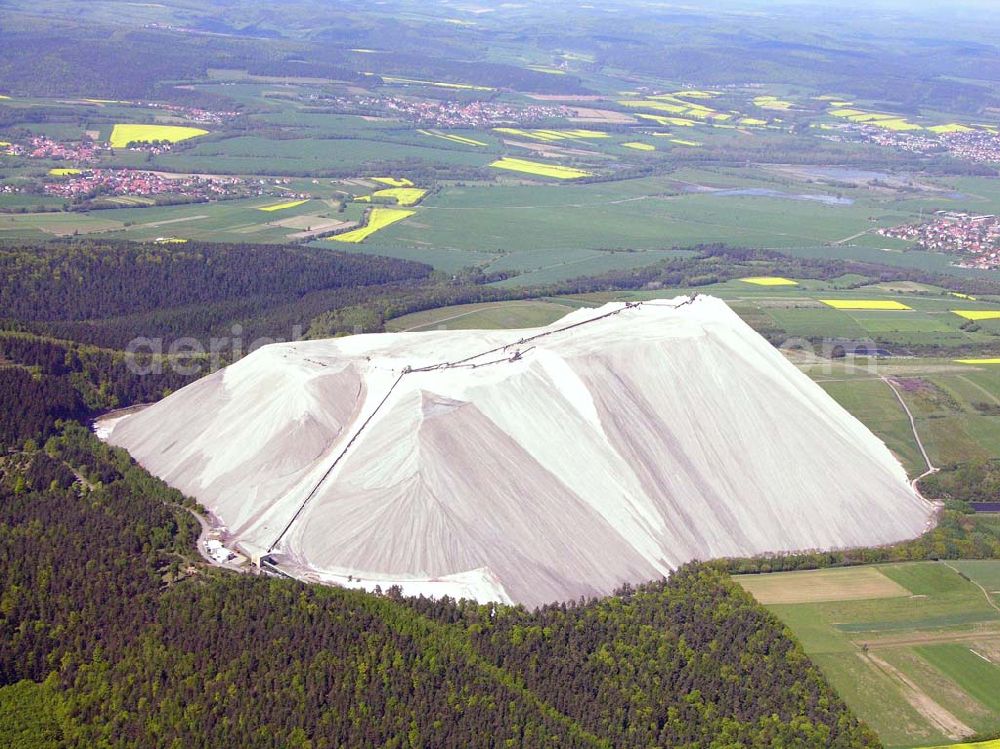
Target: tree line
x: 959, y: 534
x: 107, y: 293
x: 46, y: 382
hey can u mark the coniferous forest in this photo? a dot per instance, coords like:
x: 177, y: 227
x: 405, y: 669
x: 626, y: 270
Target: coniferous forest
x: 111, y: 634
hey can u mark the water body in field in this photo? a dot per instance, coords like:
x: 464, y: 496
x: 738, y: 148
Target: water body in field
x: 766, y: 192
x: 849, y: 174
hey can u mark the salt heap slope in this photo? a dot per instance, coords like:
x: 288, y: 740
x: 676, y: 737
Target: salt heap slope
x: 532, y: 465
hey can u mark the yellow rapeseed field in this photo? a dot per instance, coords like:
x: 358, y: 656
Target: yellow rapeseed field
x: 379, y: 218
x: 662, y: 120
x: 453, y: 138
x: 639, y: 146
x: 693, y: 94
x: 536, y: 167
x: 772, y: 102
x: 674, y: 106
x: 122, y: 135
x: 978, y: 361
x: 552, y: 135
x: 871, y: 117
x: 978, y: 314
x: 897, y: 124
x: 862, y: 304
x: 402, y: 195
x: 951, y: 127
x: 770, y: 281
x: 888, y: 121
x: 63, y: 172
x: 393, y: 181
x: 282, y: 206
x: 659, y: 106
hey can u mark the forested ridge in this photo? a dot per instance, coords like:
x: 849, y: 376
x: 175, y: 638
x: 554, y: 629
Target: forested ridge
x: 128, y: 641
x: 107, y: 292
x: 47, y: 381
x: 90, y: 280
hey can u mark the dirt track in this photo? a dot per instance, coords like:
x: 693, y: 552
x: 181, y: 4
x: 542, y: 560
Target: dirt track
x: 921, y: 702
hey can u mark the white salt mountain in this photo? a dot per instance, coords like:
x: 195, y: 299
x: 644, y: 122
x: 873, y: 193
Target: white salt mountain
x: 620, y: 444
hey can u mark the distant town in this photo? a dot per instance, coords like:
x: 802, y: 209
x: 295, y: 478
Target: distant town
x: 976, y: 238
x: 446, y: 114
x: 41, y: 147
x: 95, y: 183
x: 976, y: 146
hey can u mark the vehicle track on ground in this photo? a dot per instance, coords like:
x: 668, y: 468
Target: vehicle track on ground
x: 931, y: 469
x: 986, y: 593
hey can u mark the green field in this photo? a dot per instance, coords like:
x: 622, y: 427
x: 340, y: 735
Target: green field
x: 513, y: 222
x: 221, y: 221
x: 502, y: 315
x: 529, y: 227
x: 922, y: 668
x: 256, y: 155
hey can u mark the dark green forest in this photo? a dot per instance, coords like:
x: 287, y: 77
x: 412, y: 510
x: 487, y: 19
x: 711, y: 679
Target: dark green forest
x: 62, y: 57
x: 75, y: 50
x: 107, y: 293
x: 126, y: 641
